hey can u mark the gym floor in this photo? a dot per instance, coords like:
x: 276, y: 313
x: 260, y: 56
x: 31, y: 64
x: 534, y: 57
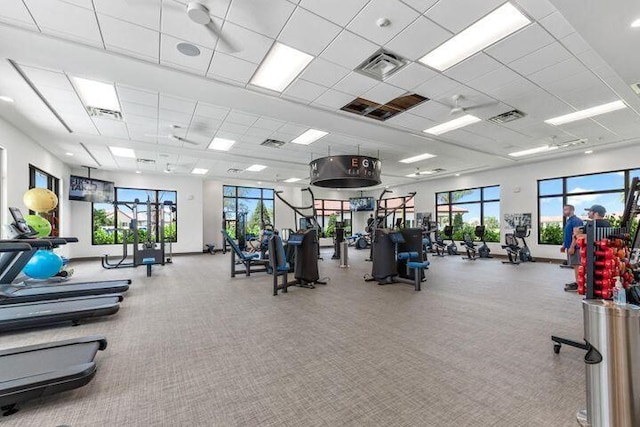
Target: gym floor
x: 190, y: 346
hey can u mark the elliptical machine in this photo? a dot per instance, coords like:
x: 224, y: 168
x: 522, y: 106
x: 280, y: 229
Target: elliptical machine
x: 516, y: 253
x: 452, y: 248
x: 483, y: 250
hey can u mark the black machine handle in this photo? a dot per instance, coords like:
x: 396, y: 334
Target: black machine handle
x: 593, y: 356
x: 34, y: 243
x: 14, y: 247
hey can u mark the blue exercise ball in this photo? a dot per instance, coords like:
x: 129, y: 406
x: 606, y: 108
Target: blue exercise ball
x: 43, y: 265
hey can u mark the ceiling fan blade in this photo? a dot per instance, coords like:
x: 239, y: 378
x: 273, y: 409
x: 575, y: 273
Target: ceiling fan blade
x: 486, y: 104
x: 227, y: 45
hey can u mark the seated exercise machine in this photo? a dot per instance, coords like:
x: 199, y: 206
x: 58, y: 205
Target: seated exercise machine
x: 516, y: 253
x: 483, y: 250
x: 40, y: 370
x: 474, y: 251
x: 452, y: 248
x: 146, y: 250
x: 439, y: 245
x: 305, y: 270
x: 470, y: 247
x: 251, y: 260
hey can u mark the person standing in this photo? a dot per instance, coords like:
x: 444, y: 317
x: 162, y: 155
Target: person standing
x: 596, y: 213
x: 573, y: 255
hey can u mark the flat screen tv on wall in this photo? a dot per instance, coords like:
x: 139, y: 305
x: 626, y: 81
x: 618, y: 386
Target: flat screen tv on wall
x: 361, y: 204
x: 90, y: 190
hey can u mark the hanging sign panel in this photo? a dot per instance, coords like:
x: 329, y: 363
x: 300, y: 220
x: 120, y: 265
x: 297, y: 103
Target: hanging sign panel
x: 345, y: 171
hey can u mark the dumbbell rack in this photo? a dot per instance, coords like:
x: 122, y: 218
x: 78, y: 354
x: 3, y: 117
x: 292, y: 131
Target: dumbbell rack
x: 593, y: 235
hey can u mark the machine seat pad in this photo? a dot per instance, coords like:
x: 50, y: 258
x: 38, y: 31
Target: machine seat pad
x: 418, y: 264
x: 407, y: 255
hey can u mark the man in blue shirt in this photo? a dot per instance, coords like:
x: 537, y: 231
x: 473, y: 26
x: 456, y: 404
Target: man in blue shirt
x: 573, y: 256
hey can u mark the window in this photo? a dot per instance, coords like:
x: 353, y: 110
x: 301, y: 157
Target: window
x: 465, y: 209
x: 41, y: 179
x: 256, y: 203
x: 331, y: 211
x: 608, y: 189
x: 111, y: 220
x: 393, y: 206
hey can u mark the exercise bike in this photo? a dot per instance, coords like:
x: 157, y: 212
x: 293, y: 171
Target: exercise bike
x: 470, y: 247
x: 439, y: 245
x: 452, y: 248
x: 483, y: 250
x: 516, y: 253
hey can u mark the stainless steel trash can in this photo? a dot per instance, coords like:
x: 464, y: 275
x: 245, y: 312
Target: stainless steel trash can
x: 612, y: 333
x: 344, y: 254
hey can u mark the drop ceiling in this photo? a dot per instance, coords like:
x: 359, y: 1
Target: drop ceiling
x: 545, y: 69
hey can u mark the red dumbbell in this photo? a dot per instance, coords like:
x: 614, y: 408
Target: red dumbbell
x: 603, y: 243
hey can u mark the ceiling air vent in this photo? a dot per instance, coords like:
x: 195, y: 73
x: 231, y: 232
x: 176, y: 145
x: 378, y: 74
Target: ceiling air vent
x: 273, y: 143
x: 381, y: 65
x: 104, y: 113
x: 234, y: 170
x: 146, y: 161
x: 507, y: 117
x: 636, y: 88
x: 439, y: 170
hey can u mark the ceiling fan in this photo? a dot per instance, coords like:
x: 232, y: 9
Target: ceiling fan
x: 457, y: 108
x: 173, y: 137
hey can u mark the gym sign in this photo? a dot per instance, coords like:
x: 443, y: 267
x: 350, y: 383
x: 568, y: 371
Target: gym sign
x: 345, y: 171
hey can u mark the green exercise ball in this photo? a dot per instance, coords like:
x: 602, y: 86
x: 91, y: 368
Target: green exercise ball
x: 40, y: 200
x: 40, y: 224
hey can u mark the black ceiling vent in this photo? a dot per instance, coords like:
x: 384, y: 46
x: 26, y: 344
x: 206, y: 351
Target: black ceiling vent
x: 439, y: 170
x: 273, y: 143
x: 104, y: 113
x: 146, y: 161
x: 234, y: 170
x: 507, y: 117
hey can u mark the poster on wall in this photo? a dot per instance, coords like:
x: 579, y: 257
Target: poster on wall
x: 514, y: 219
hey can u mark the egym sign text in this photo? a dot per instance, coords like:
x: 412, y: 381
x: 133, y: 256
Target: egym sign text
x: 345, y: 171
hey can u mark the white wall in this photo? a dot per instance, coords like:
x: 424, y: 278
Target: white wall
x: 518, y: 186
x: 190, y: 211
x: 20, y: 151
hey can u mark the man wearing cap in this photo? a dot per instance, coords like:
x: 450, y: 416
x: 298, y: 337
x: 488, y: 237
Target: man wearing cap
x: 573, y: 255
x: 597, y: 213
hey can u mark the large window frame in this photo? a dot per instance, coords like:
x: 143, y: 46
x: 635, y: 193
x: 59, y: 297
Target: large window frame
x: 565, y: 194
x: 453, y: 198
x: 36, y: 177
x: 342, y: 214
x: 158, y: 195
x: 232, y: 196
x: 406, y: 212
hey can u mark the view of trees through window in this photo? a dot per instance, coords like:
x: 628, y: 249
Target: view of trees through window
x: 608, y: 189
x: 257, y: 204
x: 331, y: 211
x: 111, y: 221
x: 466, y: 209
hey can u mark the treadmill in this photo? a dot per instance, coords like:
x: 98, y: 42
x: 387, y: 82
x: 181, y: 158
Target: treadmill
x: 44, y: 313
x: 44, y: 369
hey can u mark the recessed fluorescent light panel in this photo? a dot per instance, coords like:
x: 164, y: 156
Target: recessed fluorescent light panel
x: 123, y: 152
x: 290, y: 180
x: 309, y: 136
x: 256, y: 168
x: 497, y: 25
x: 452, y: 125
x: 585, y: 114
x: 97, y: 94
x: 221, y: 144
x: 281, y: 65
x: 536, y: 150
x: 199, y: 171
x: 414, y: 159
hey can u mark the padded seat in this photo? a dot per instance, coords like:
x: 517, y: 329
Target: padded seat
x: 418, y: 264
x: 407, y: 255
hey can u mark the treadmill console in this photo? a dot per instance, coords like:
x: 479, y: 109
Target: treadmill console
x: 295, y: 239
x: 20, y: 223
x: 396, y: 238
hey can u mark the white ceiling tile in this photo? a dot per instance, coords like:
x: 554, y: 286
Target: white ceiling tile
x: 399, y: 15
x: 472, y: 68
x: 146, y: 14
x: 591, y: 59
x: 15, y: 11
x: 303, y: 90
x: 297, y: 35
x: 142, y: 121
x: 436, y: 86
x: 512, y: 89
x: 211, y: 111
x: 40, y: 77
x: 557, y: 72
x: 432, y: 110
x: 233, y: 128
x: 258, y: 133
x: 111, y: 128
x: 468, y: 98
x: 169, y: 55
x: 420, y: 5
x: 355, y: 84
x: 349, y: 50
x: 264, y: 16
x: 521, y: 43
x: 537, y: 9
x: 228, y: 135
x: 618, y: 120
x: 241, y: 118
x: 582, y: 80
x: 138, y: 110
x: 267, y: 123
x: 173, y: 103
x: 128, y: 38
x: 494, y: 80
x: 581, y: 99
x: 542, y: 58
x: 575, y: 43
x: 136, y: 95
x: 64, y: 19
x: 203, y: 126
x: 411, y: 76
x: 418, y: 39
x: 338, y: 11
x: 383, y: 93
x: 411, y: 121
x: 333, y: 99
x: 174, y: 117
x: 231, y: 68
x: 539, y: 104
x: 176, y: 23
x: 292, y: 129
x: 323, y: 72
x: 456, y: 15
x: 82, y: 3
x: 557, y: 25
x: 251, y: 46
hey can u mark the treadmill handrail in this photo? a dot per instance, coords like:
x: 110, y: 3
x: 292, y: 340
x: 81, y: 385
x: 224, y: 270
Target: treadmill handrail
x: 34, y: 243
x: 101, y: 339
x: 15, y: 247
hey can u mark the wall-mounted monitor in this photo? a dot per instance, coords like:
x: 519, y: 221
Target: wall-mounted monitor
x: 90, y: 190
x: 362, y: 203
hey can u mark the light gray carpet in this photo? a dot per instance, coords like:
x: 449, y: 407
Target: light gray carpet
x: 192, y: 347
